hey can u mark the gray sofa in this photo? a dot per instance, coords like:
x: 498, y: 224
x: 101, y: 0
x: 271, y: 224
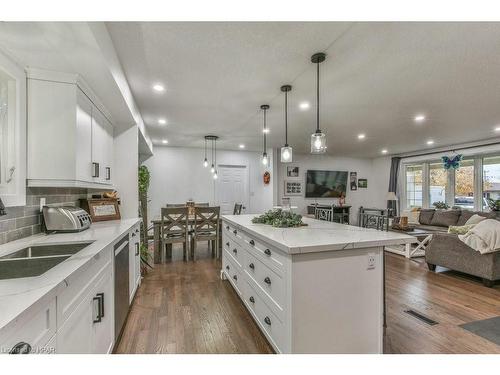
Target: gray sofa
x: 448, y: 251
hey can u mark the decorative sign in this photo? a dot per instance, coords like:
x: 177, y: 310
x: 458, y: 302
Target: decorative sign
x: 293, y: 187
x: 353, y: 177
x: 292, y: 171
x: 267, y: 178
x: 101, y: 209
x: 362, y: 183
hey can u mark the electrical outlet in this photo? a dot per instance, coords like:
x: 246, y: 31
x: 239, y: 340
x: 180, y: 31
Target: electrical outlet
x: 42, y: 203
x: 371, y: 262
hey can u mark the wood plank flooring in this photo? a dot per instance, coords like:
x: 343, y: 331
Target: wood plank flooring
x: 184, y: 307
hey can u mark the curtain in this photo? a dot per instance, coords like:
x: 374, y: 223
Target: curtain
x: 393, y: 183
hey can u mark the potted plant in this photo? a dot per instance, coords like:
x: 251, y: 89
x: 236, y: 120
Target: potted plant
x: 144, y: 178
x: 440, y: 205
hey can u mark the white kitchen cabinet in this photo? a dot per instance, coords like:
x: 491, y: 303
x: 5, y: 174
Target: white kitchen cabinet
x: 70, y: 137
x: 134, y: 261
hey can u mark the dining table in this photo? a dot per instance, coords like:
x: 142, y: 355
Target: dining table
x: 157, y: 258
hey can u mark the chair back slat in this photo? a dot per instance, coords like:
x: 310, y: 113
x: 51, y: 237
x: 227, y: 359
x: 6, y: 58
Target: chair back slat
x: 206, y: 219
x: 323, y: 214
x: 174, y: 220
x: 237, y: 208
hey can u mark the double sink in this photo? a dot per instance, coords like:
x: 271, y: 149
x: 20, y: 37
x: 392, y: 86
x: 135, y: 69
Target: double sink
x: 37, y: 259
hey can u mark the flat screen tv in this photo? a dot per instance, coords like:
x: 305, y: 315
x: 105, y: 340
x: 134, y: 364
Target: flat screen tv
x: 326, y: 184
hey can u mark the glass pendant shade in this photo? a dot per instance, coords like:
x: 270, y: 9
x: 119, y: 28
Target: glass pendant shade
x: 318, y: 143
x: 286, y: 154
x: 215, y: 176
x: 212, y: 169
x: 205, y: 163
x: 265, y: 159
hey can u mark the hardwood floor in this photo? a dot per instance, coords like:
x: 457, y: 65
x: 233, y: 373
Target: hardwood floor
x: 184, y: 307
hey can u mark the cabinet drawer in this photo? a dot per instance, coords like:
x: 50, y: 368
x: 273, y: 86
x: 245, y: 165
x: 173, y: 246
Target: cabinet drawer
x: 273, y: 328
x: 233, y: 273
x: 79, y: 285
x: 271, y: 283
x: 236, y: 251
x: 35, y: 330
x: 271, y: 257
x: 232, y: 233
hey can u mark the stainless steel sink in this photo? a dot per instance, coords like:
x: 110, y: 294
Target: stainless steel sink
x: 37, y: 259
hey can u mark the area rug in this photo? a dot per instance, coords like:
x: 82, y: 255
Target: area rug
x: 487, y: 328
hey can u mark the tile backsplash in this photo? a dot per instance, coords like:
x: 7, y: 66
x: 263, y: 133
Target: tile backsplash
x: 24, y: 221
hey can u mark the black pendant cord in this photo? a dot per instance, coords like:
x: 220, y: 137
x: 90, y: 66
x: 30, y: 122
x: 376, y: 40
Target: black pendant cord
x: 205, y: 149
x: 286, y: 118
x: 212, y: 152
x: 265, y: 110
x: 215, y: 162
x: 317, y: 99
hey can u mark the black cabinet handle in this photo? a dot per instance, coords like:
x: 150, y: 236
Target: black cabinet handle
x: 227, y: 244
x: 252, y: 242
x: 95, y: 169
x: 98, y: 318
x: 21, y: 348
x: 235, y: 251
x: 137, y: 230
x: 235, y: 277
x: 227, y: 268
x: 235, y: 232
x: 108, y: 173
x: 267, y: 320
x: 267, y: 252
x: 251, y: 265
x: 267, y: 280
x: 133, y: 234
x: 101, y: 304
x: 251, y: 299
x: 136, y: 249
x: 227, y: 227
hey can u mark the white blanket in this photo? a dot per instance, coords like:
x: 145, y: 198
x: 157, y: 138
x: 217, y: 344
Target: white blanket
x: 484, y: 237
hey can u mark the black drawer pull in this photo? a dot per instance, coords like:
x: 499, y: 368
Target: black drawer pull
x: 137, y: 231
x: 252, y: 242
x: 267, y: 280
x: 21, y: 348
x: 235, y: 232
x: 251, y: 265
x: 227, y: 244
x: 235, y: 277
x: 267, y: 252
x: 227, y: 268
x: 227, y: 227
x: 267, y: 320
x: 235, y: 251
x: 133, y: 234
x: 251, y: 299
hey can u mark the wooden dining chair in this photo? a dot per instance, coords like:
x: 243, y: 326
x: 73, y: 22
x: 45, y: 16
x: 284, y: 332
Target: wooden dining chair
x: 237, y: 209
x: 206, y: 228
x: 174, y: 229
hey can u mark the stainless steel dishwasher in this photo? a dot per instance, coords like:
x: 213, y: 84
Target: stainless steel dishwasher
x: 121, y: 249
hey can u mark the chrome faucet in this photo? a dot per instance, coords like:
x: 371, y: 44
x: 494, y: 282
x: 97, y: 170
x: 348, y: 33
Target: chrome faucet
x: 2, y: 208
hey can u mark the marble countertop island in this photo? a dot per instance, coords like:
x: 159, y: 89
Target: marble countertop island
x: 19, y: 295
x: 317, y: 235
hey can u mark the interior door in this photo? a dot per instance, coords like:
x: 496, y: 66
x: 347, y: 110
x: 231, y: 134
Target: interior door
x: 231, y: 188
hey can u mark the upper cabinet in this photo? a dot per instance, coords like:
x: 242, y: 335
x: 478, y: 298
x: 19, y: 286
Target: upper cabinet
x: 70, y: 138
x: 12, y: 133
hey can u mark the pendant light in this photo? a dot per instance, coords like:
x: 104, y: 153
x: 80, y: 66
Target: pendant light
x: 212, y: 168
x: 205, y: 162
x: 286, y: 151
x: 265, y: 159
x: 318, y: 139
x: 215, y: 175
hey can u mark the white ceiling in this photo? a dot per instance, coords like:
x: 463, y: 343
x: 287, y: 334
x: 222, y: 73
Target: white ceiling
x: 376, y: 78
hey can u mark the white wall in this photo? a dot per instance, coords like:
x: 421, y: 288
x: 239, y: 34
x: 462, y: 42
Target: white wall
x: 125, y: 171
x: 375, y: 170
x: 177, y: 175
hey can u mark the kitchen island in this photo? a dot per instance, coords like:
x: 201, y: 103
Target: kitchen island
x: 312, y: 289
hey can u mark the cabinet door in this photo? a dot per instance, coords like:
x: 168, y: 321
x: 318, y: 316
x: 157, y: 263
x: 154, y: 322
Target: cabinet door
x: 83, y: 137
x: 108, y: 151
x: 75, y: 335
x: 103, y: 322
x: 131, y: 265
x: 98, y: 146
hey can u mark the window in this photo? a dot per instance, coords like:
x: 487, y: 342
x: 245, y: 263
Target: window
x: 438, y: 181
x: 464, y: 185
x: 413, y: 176
x: 491, y: 179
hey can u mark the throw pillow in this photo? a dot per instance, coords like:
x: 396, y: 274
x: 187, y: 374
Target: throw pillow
x: 425, y: 216
x: 445, y: 218
x: 463, y: 229
x: 475, y: 219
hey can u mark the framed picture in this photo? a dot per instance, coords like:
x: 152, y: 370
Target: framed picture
x: 353, y: 179
x: 362, y: 183
x: 293, y: 188
x: 292, y: 171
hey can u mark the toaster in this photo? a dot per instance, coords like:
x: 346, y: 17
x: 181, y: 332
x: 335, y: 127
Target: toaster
x: 66, y: 219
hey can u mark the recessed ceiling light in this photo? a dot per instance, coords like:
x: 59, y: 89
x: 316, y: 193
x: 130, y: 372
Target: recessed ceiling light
x: 242, y: 145
x: 162, y: 121
x: 266, y: 130
x: 304, y: 106
x: 497, y: 129
x: 430, y: 142
x: 158, y: 87
x: 419, y: 118
x: 164, y: 141
x: 384, y: 151
x: 361, y: 136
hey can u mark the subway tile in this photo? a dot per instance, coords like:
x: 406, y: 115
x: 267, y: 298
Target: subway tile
x: 18, y: 233
x: 3, y: 238
x: 35, y: 229
x: 13, y: 212
x: 31, y: 210
x: 7, y: 225
x: 27, y: 221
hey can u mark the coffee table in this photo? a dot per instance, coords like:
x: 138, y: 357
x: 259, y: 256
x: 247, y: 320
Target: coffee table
x: 422, y: 239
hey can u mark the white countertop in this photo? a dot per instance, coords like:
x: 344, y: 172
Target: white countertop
x: 18, y: 295
x: 317, y: 236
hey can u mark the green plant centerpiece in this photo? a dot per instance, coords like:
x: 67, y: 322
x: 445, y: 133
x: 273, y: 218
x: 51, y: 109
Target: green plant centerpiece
x: 279, y: 219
